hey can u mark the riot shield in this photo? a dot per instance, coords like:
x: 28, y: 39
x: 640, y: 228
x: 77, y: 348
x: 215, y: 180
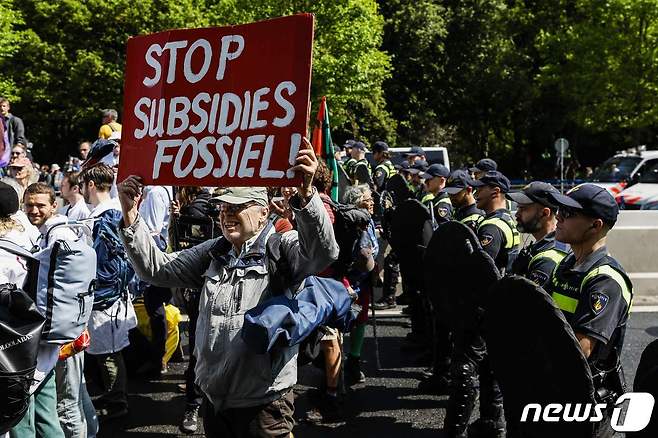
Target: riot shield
x: 398, y: 188
x: 646, y: 380
x: 458, y: 273
x: 536, y: 359
x: 411, y: 230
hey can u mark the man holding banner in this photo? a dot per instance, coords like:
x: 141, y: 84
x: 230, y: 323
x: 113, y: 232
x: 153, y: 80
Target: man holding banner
x: 246, y: 393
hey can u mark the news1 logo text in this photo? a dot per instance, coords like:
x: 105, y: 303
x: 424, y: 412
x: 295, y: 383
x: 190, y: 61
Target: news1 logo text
x: 638, y: 412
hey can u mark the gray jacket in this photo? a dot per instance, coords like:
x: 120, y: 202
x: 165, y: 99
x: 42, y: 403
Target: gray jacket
x: 228, y: 372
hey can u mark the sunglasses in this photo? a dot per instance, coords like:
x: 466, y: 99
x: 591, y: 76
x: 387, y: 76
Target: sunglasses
x: 16, y: 154
x: 225, y: 207
x: 567, y: 212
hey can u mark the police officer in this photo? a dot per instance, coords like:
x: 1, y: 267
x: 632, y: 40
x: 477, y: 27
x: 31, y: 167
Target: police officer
x: 416, y: 184
x: 383, y: 172
x: 433, y: 196
x: 360, y: 171
x: 483, y: 166
x: 384, y: 168
x: 535, y: 214
x: 463, y: 201
x: 416, y: 153
x: 592, y: 289
x: 500, y: 239
x: 497, y: 232
x: 437, y: 381
x: 349, y: 162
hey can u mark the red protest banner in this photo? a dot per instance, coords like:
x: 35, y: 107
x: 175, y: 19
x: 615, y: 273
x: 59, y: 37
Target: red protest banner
x: 222, y: 106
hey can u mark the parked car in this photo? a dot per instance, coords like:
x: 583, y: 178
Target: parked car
x: 644, y: 189
x: 623, y: 170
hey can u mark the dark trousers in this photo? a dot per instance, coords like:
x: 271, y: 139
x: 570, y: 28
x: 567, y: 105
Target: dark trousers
x: 441, y: 348
x: 391, y: 276
x: 113, y: 379
x: 193, y: 395
x: 271, y: 420
x: 469, y: 356
x: 155, y: 299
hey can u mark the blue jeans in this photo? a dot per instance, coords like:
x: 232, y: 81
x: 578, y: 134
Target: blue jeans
x: 77, y: 415
x: 40, y: 420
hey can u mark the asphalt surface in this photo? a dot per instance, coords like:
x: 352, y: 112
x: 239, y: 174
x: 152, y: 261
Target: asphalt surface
x: 388, y: 404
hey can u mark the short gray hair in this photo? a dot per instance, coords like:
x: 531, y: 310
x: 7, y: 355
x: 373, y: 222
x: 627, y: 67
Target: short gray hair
x: 111, y: 113
x: 353, y: 194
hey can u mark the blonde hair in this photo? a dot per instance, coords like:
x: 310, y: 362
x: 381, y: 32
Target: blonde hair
x: 7, y: 224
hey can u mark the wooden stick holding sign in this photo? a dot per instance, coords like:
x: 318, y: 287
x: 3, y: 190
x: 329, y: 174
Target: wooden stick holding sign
x: 222, y: 106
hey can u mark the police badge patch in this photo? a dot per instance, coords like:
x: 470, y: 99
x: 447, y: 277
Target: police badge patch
x: 598, y: 301
x: 486, y: 239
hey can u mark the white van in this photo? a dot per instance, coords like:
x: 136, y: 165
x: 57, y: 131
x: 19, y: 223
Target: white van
x: 433, y: 154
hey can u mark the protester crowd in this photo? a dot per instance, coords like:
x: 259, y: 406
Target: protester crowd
x: 220, y: 253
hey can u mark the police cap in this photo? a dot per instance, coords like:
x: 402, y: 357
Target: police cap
x: 495, y: 179
x: 415, y: 151
x: 435, y: 170
x: 380, y: 146
x: 484, y: 165
x: 418, y: 167
x: 591, y: 200
x: 536, y: 191
x: 457, y: 181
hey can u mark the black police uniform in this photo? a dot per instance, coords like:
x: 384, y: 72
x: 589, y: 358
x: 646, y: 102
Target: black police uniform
x: 595, y: 298
x: 537, y: 262
x: 348, y: 165
x: 470, y: 216
x: 361, y: 173
x: 383, y: 171
x: 500, y: 239
x: 439, y: 205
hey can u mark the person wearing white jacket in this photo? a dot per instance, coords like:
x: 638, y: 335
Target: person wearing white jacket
x: 74, y: 408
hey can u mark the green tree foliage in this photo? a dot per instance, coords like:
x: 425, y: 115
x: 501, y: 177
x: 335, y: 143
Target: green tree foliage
x: 71, y: 60
x: 348, y: 65
x: 69, y: 57
x: 511, y: 76
x: 603, y: 60
x: 503, y: 78
x: 414, y: 35
x: 9, y: 20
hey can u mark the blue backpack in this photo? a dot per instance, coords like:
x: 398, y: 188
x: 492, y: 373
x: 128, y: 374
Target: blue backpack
x: 113, y: 272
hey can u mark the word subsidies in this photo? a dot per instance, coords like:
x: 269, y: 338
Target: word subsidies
x: 219, y: 105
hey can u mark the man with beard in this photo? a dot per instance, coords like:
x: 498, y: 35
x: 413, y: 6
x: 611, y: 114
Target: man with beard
x: 536, y: 215
x: 463, y: 201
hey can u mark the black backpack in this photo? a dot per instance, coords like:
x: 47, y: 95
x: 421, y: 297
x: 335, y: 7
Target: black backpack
x: 349, y: 224
x: 20, y: 333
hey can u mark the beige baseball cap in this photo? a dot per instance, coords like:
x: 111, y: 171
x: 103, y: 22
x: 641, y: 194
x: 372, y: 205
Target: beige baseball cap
x: 242, y: 195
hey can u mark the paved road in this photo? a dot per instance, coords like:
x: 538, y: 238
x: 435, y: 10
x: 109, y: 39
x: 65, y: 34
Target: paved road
x: 387, y: 405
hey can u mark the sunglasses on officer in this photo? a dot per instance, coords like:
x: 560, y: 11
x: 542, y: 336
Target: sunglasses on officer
x: 568, y: 213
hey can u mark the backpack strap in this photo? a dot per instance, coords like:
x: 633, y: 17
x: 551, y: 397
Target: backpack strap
x: 278, y: 268
x: 32, y: 279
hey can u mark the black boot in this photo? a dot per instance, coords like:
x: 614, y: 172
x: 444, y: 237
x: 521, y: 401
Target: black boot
x: 353, y: 373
